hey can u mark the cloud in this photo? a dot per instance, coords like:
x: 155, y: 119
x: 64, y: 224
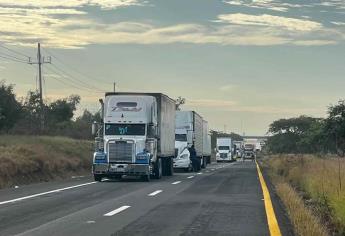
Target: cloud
x: 234, y: 106
x: 273, y: 5
x: 105, y: 4
x: 210, y: 103
x: 271, y: 21
x: 338, y: 23
x: 227, y: 87
x: 64, y: 24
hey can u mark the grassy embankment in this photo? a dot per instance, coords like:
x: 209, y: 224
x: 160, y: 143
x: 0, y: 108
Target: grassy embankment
x: 28, y: 159
x: 313, y: 191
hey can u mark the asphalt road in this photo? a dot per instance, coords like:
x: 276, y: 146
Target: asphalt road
x: 224, y: 199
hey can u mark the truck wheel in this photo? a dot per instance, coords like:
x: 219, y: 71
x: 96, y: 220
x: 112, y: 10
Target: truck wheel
x: 158, y: 169
x: 97, y: 178
x: 208, y: 160
x: 146, y: 178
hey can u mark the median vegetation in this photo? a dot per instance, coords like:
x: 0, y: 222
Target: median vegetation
x: 305, y: 160
x: 28, y: 159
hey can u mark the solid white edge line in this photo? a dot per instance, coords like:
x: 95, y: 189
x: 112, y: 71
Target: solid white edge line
x: 177, y: 182
x: 116, y: 211
x: 45, y: 193
x: 155, y: 193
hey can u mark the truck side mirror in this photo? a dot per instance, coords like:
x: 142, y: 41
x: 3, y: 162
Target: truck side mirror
x: 151, y: 131
x: 94, y: 128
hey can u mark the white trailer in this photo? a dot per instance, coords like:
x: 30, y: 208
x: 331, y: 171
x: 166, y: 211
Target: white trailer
x: 206, y: 151
x: 224, y: 150
x: 189, y: 131
x: 137, y: 136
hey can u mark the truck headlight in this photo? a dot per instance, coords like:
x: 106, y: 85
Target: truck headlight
x: 217, y: 155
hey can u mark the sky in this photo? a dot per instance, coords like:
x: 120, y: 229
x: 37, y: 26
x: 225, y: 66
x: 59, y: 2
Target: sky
x: 240, y: 63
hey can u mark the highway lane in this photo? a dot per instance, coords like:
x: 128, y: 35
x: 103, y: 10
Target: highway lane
x: 224, y: 199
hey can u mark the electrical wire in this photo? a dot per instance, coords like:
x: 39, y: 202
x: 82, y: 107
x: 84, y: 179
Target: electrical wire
x: 13, y: 59
x: 72, y: 68
x: 90, y: 86
x: 63, y: 79
x: 14, y: 51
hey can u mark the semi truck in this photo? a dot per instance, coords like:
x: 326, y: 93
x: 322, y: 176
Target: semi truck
x: 190, y: 130
x: 224, y: 150
x: 206, y: 145
x: 136, y: 137
x: 249, y: 151
x: 238, y: 145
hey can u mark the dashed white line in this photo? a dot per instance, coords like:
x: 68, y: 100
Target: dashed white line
x: 45, y: 193
x: 155, y: 193
x: 189, y: 177
x: 200, y: 173
x: 177, y: 182
x: 116, y: 211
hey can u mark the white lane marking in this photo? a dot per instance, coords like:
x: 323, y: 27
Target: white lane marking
x: 155, y: 193
x: 177, y: 182
x: 190, y: 177
x: 207, y: 171
x: 45, y: 193
x: 90, y: 222
x: 80, y: 176
x: 200, y: 173
x: 212, y: 169
x: 116, y: 211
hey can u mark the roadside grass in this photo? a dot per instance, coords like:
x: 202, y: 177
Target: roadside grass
x: 28, y: 159
x: 319, y: 183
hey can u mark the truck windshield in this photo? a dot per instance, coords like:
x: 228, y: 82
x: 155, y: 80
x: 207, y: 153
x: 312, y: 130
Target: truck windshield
x: 181, y: 137
x: 223, y: 148
x: 125, y: 129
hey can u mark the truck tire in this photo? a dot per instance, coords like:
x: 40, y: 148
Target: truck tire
x: 208, y: 160
x: 168, y: 166
x: 146, y: 178
x: 98, y: 178
x: 158, y: 169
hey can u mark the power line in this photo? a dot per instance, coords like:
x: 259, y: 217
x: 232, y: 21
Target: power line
x: 83, y: 83
x: 12, y: 59
x: 72, y: 68
x: 11, y: 56
x: 14, y: 51
x: 70, y: 82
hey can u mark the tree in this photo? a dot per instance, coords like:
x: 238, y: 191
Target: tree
x: 62, y: 109
x: 335, y: 127
x: 10, y: 108
x: 179, y: 102
x: 295, y: 135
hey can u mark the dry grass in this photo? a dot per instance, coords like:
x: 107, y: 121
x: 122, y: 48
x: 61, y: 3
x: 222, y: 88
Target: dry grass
x: 27, y: 159
x: 303, y: 220
x: 321, y: 180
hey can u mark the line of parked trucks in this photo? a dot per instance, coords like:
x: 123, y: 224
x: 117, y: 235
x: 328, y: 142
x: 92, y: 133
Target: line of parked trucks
x: 142, y: 134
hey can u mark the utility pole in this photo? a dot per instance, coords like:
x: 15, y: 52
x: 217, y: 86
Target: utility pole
x: 40, y: 61
x: 114, y: 87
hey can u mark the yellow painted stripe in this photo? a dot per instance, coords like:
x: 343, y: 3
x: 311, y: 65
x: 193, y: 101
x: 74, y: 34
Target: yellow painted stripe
x: 271, y: 216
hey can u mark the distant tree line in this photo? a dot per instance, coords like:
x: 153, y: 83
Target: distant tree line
x: 22, y: 116
x: 310, y: 135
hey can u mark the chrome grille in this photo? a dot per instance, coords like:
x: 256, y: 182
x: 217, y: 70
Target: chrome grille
x: 120, y: 151
x: 223, y: 155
